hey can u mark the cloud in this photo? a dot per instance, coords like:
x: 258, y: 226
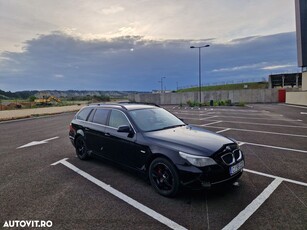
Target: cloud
x: 58, y: 75
x: 137, y: 63
x: 274, y: 67
x: 159, y: 19
x: 239, y: 68
x: 112, y: 10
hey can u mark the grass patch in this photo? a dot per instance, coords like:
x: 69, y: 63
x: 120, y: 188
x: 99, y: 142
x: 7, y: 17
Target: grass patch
x: 213, y: 103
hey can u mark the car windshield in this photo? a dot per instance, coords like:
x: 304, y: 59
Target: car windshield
x: 155, y: 119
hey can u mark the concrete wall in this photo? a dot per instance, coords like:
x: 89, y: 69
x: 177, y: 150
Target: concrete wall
x: 244, y: 95
x: 297, y: 98
x: 304, y: 81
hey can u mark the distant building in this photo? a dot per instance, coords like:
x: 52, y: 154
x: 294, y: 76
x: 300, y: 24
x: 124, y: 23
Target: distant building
x: 285, y: 80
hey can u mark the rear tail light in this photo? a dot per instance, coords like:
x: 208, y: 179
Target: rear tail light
x: 71, y: 128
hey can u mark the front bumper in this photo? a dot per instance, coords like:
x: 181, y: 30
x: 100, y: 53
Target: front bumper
x: 194, y: 177
x: 72, y: 140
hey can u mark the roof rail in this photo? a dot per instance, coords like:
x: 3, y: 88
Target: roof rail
x: 106, y: 104
x: 141, y: 103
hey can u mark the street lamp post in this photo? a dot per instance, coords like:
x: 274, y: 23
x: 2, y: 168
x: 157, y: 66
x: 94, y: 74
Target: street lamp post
x: 199, y: 68
x: 162, y: 83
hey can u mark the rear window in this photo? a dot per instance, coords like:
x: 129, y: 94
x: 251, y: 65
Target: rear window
x: 84, y: 113
x: 101, y: 116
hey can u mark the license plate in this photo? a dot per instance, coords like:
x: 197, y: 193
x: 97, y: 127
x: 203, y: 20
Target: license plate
x: 236, y: 168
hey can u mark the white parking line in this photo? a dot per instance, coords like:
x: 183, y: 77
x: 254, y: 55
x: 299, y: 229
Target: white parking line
x: 303, y: 113
x: 212, y: 123
x: 297, y: 106
x: 205, y: 118
x: 276, y: 177
x: 257, y: 118
x: 33, y: 143
x: 162, y: 219
x: 240, y: 143
x: 277, y: 125
x: 276, y: 147
x: 252, y: 207
x: 224, y: 130
x: 257, y: 131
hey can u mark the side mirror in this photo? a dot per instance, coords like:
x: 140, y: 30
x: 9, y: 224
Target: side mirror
x: 124, y: 129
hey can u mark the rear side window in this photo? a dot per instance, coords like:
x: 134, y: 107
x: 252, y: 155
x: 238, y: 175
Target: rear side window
x: 84, y: 113
x: 101, y: 116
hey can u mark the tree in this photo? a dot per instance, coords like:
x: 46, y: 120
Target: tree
x: 32, y: 98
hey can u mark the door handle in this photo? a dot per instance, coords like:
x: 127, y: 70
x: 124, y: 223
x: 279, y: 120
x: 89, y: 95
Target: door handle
x: 107, y: 134
x: 86, y: 129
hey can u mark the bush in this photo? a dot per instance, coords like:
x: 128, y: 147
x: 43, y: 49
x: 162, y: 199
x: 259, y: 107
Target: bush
x: 228, y: 102
x: 241, y: 103
x: 192, y: 103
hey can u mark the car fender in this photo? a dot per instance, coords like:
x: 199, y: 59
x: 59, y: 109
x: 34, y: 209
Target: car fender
x: 172, y: 155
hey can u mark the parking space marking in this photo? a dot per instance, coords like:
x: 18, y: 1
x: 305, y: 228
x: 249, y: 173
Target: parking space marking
x: 257, y: 118
x: 258, y: 131
x: 33, y: 143
x: 296, y: 106
x: 277, y: 125
x: 253, y: 206
x: 276, y: 177
x: 224, y: 130
x: 211, y: 123
x: 205, y: 118
x: 162, y: 219
x: 303, y: 113
x: 276, y: 147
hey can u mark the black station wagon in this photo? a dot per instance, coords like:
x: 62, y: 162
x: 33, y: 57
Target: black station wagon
x: 155, y: 142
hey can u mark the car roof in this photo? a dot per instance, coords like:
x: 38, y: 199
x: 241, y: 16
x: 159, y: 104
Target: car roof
x: 125, y: 106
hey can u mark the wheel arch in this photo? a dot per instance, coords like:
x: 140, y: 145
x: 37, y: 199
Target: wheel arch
x: 155, y: 156
x: 78, y: 134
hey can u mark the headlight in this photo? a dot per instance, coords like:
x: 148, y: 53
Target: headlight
x: 197, y: 160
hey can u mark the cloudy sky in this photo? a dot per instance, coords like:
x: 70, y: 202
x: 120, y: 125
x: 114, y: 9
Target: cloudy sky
x: 130, y: 45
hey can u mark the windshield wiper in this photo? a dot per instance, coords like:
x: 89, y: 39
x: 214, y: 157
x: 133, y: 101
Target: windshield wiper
x: 172, y: 126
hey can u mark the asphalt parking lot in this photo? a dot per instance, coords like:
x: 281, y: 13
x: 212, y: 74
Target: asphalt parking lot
x: 41, y: 179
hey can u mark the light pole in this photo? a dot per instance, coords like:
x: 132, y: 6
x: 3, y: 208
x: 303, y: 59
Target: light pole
x: 162, y: 83
x: 199, y: 67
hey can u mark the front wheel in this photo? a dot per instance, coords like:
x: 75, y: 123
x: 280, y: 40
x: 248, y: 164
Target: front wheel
x: 164, y: 177
x: 81, y: 149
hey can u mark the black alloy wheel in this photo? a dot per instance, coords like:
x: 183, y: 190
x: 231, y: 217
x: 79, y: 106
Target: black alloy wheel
x: 81, y: 149
x: 164, y: 177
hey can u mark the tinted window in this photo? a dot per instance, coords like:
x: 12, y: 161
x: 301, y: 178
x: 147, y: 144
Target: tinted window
x: 154, y: 119
x: 83, y: 114
x: 101, y: 116
x: 117, y: 119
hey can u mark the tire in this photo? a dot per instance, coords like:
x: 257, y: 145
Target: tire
x: 81, y: 149
x: 164, y: 177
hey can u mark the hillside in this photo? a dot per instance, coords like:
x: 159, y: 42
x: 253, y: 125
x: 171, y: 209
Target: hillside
x: 63, y: 94
x: 20, y: 94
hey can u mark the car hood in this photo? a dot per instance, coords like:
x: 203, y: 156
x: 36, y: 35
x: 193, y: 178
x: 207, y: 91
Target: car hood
x: 189, y: 139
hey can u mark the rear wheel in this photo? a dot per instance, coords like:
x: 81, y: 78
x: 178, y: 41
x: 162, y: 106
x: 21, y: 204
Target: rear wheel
x: 164, y: 177
x: 81, y: 149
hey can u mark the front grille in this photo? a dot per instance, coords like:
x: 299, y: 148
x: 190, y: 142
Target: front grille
x: 228, y: 158
x: 231, y: 154
x: 237, y: 154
